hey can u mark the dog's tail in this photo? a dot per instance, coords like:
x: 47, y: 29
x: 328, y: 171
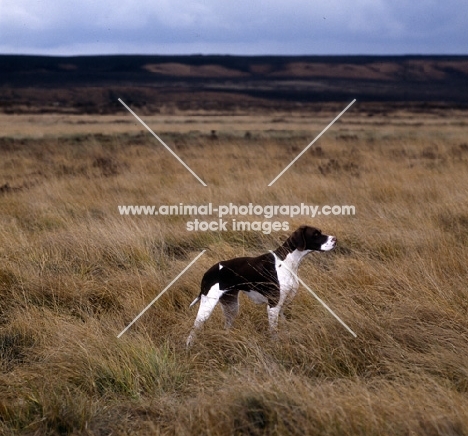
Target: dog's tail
x: 194, y: 301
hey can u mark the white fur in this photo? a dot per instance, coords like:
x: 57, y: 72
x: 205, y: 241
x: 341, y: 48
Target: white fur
x: 329, y: 245
x: 288, y: 283
x: 207, y: 304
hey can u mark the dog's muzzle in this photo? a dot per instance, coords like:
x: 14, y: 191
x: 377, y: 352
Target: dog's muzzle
x: 329, y: 245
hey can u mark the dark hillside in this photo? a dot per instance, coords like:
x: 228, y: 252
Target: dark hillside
x: 92, y: 83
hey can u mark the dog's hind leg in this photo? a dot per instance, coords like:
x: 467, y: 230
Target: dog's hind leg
x: 207, y: 304
x: 230, y: 304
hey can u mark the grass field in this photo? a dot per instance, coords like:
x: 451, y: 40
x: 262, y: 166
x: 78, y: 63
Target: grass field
x: 74, y: 273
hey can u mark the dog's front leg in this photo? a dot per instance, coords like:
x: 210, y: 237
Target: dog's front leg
x: 273, y: 313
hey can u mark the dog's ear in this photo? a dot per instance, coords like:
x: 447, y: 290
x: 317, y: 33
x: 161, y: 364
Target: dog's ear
x: 298, y: 238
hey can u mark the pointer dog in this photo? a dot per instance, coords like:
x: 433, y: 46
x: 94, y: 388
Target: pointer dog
x: 265, y: 279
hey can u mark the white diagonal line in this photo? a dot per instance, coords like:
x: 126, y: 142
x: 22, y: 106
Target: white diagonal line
x: 163, y: 143
x: 305, y: 149
x: 161, y: 293
x: 318, y: 298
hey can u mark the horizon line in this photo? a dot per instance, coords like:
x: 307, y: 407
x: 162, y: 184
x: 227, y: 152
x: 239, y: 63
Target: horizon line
x: 235, y: 55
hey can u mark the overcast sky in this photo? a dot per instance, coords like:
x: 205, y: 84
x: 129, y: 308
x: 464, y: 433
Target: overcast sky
x: 71, y: 27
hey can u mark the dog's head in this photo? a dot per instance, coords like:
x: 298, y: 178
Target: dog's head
x: 310, y: 238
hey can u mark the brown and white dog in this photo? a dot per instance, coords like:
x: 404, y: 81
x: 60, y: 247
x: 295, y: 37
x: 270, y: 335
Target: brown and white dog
x: 265, y: 279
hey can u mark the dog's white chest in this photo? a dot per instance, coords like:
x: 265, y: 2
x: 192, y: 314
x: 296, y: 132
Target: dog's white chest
x: 287, y: 281
x: 287, y: 271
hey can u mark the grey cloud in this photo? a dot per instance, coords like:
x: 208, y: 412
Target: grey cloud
x: 254, y: 27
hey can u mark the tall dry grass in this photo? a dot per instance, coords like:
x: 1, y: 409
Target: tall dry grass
x: 74, y: 273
